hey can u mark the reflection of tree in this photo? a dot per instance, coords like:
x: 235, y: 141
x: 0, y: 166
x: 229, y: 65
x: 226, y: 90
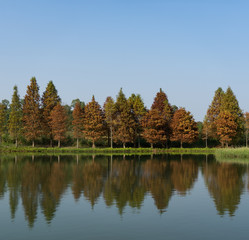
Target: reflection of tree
x: 2, y: 180
x: 93, y: 176
x: 29, y: 191
x: 225, y: 184
x: 14, y: 179
x: 123, y: 185
x: 156, y: 178
x: 183, y: 175
x: 54, y: 183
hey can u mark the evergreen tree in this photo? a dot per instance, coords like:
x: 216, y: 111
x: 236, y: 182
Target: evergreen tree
x: 226, y: 127
x: 246, y: 115
x: 109, y: 111
x: 59, y: 123
x: 230, y: 104
x: 32, y: 113
x: 137, y: 106
x: 15, y: 118
x: 3, y: 114
x: 184, y: 127
x: 156, y: 123
x: 77, y: 122
x: 124, y: 130
x: 212, y: 114
x: 50, y: 99
x: 93, y: 122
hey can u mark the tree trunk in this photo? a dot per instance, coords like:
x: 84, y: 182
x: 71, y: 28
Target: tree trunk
x: 16, y: 142
x: 59, y: 143
x: 33, y: 143
x: 181, y: 143
x: 51, y: 142
x: 93, y: 146
x: 77, y: 142
x: 151, y: 145
x: 206, y: 140
x: 138, y: 141
x: 123, y: 145
x: 111, y: 137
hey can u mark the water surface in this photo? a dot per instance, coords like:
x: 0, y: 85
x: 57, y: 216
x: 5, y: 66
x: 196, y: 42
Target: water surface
x: 122, y: 197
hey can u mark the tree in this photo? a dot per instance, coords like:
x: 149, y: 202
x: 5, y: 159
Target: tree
x: 124, y: 130
x: 226, y: 127
x: 156, y: 122
x: 109, y: 110
x: 246, y: 115
x: 137, y: 106
x: 3, y: 113
x: 15, y: 119
x: 184, y: 127
x: 50, y: 99
x: 59, y: 123
x: 213, y: 112
x: 31, y: 112
x: 231, y: 104
x: 93, y: 122
x: 77, y: 122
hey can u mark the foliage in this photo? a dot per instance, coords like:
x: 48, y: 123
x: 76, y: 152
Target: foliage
x: 77, y: 122
x: 184, y: 127
x: 2, y: 120
x: 93, y: 122
x: 31, y: 112
x: 59, y: 123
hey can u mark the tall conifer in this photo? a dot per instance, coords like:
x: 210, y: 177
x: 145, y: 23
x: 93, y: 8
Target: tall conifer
x: 184, y: 127
x: 209, y: 126
x: 124, y: 131
x: 109, y: 110
x: 32, y: 113
x: 50, y: 99
x: 59, y: 123
x: 77, y: 122
x: 93, y: 122
x: 3, y: 114
x: 15, y: 119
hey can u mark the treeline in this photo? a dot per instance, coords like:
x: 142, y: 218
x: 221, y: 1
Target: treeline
x: 120, y: 122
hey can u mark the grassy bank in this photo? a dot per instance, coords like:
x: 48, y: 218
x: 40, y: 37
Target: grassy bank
x: 42, y: 150
x: 231, y: 153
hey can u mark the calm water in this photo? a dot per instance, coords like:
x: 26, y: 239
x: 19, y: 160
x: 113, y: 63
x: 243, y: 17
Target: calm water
x: 122, y: 197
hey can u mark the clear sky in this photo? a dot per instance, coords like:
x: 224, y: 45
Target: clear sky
x: 188, y: 48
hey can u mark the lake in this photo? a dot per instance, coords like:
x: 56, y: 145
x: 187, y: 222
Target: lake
x: 123, y: 197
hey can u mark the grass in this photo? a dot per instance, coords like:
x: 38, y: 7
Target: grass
x: 73, y: 150
x: 232, y: 153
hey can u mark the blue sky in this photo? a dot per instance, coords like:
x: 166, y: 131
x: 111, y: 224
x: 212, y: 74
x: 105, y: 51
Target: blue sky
x: 188, y: 48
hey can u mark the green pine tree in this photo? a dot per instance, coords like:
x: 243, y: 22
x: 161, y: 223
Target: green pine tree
x: 3, y: 115
x: 15, y: 118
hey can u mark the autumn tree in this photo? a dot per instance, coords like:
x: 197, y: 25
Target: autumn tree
x: 124, y: 130
x: 93, y: 122
x: 59, y: 123
x: 137, y: 107
x: 109, y: 111
x: 209, y: 126
x: 246, y: 115
x: 231, y: 104
x: 2, y: 120
x: 184, y: 127
x: 226, y: 127
x: 31, y: 112
x: 156, y: 122
x: 77, y: 122
x: 15, y: 118
x: 50, y: 99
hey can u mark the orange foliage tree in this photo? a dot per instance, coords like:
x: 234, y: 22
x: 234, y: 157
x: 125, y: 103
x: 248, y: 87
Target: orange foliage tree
x: 184, y: 127
x: 31, y: 112
x: 59, y: 123
x: 93, y: 122
x: 246, y: 115
x: 77, y: 122
x: 226, y: 127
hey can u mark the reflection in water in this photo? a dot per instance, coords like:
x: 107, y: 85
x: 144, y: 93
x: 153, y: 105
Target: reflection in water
x: 225, y: 184
x: 40, y: 182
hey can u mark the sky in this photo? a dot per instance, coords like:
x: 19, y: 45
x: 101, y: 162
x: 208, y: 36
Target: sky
x: 188, y: 48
